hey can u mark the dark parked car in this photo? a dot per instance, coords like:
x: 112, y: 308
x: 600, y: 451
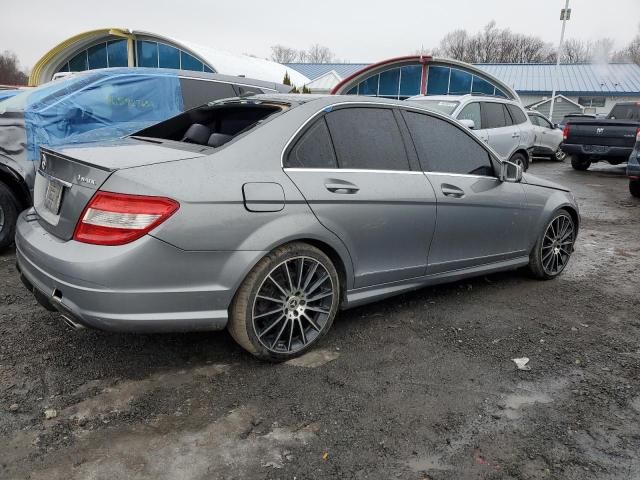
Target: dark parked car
x: 266, y: 215
x: 611, y: 139
x: 94, y: 106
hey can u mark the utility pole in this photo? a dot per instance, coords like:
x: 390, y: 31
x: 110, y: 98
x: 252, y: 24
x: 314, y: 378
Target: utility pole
x: 565, y: 14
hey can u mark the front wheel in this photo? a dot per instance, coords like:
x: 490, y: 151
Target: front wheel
x: 521, y: 160
x: 286, y: 303
x: 580, y: 163
x: 634, y: 188
x: 553, y: 249
x: 8, y: 216
x: 560, y: 155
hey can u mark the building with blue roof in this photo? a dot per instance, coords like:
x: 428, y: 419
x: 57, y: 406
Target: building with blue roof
x: 588, y: 88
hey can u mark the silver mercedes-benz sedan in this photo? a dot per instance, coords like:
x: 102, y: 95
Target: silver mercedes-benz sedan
x: 266, y: 215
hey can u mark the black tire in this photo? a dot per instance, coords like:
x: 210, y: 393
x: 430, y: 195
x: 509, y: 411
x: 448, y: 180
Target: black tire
x: 539, y: 254
x: 8, y: 216
x: 520, y: 159
x: 634, y: 188
x: 244, y: 328
x: 580, y: 163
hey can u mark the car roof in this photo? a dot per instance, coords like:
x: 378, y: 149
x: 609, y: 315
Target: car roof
x: 295, y: 99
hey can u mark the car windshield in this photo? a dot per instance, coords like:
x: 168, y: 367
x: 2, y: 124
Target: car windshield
x: 442, y: 106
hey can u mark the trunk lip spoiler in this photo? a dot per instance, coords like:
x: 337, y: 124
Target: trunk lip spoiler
x: 76, y: 160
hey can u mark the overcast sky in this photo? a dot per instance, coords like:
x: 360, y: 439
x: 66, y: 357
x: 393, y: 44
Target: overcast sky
x: 354, y: 31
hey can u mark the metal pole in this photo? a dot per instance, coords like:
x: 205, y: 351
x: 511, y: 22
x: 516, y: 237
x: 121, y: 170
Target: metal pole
x: 555, y: 72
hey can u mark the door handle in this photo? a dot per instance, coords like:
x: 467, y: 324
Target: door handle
x: 515, y: 135
x: 452, y: 191
x: 348, y: 188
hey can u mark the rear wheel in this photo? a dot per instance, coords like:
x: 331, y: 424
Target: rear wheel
x: 553, y: 249
x: 286, y: 303
x: 634, y: 188
x: 8, y: 216
x: 580, y: 163
x: 521, y: 160
x: 559, y: 155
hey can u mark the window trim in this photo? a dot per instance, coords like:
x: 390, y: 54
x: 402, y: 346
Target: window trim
x: 402, y: 108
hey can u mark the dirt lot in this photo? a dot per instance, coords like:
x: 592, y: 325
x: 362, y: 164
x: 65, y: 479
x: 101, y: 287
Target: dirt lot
x: 419, y: 386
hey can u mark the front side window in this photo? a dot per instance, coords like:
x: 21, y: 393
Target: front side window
x: 472, y: 112
x: 367, y: 138
x: 494, y: 115
x: 313, y: 149
x: 443, y: 147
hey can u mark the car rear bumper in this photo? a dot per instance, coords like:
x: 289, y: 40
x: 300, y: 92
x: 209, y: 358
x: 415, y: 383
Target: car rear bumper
x: 145, y: 286
x: 596, y: 151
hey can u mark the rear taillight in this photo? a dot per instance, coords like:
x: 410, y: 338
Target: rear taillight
x: 117, y: 218
x: 565, y: 132
x: 638, y: 135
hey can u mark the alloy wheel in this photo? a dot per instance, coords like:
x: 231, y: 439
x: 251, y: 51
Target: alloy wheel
x: 293, y: 305
x: 557, y: 244
x: 560, y: 155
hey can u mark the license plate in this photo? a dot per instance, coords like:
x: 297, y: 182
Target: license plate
x: 53, y: 196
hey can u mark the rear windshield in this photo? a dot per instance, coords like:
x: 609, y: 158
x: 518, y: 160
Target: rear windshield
x: 443, y: 106
x: 214, y: 124
x: 626, y: 112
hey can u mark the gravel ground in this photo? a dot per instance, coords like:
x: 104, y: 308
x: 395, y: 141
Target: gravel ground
x: 421, y: 386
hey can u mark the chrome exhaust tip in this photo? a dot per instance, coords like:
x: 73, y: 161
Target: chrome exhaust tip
x: 71, y: 323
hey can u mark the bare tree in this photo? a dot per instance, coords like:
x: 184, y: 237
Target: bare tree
x: 601, y: 50
x: 10, y: 73
x: 575, y: 51
x: 494, y: 45
x: 282, y: 54
x: 319, y: 54
x: 631, y: 53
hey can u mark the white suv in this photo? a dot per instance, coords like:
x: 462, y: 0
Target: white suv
x: 501, y: 123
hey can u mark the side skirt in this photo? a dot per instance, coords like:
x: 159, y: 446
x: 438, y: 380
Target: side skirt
x: 361, y: 296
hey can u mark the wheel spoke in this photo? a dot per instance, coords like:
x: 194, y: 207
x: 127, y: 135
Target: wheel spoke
x: 277, y: 285
x: 286, y: 268
x: 268, y: 329
x: 310, y: 276
x: 270, y: 299
x: 311, y: 322
x: 303, y: 337
x: 290, y: 336
x: 319, y: 310
x: 546, y: 255
x: 275, y: 341
x: 300, y: 272
x: 319, y: 297
x: 266, y: 314
x: 319, y: 282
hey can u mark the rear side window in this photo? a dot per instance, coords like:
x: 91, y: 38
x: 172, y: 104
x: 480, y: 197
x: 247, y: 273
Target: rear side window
x: 313, y: 149
x: 472, y: 112
x: 445, y: 148
x: 517, y: 114
x: 198, y: 92
x: 494, y: 115
x: 367, y: 138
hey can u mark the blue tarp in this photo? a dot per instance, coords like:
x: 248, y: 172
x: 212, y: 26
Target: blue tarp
x: 4, y: 94
x: 99, y: 105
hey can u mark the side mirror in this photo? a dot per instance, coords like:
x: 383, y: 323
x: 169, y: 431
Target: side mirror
x: 557, y: 125
x: 510, y: 172
x: 470, y: 124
